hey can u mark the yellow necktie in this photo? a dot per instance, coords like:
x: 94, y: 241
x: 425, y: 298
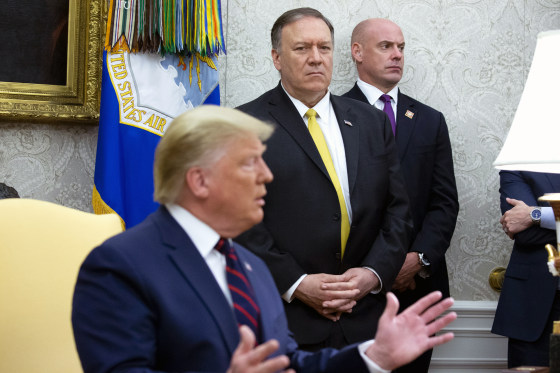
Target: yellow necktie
x: 321, y: 145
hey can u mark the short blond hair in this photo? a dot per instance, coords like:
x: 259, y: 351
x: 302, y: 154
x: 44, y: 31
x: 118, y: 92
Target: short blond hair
x: 198, y: 138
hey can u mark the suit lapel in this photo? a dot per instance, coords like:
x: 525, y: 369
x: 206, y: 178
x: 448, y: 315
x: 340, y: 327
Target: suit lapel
x: 357, y: 94
x: 284, y: 112
x: 350, y: 129
x: 197, y: 274
x: 406, y: 121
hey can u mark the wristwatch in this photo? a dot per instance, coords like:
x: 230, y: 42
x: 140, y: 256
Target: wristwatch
x: 425, y: 264
x: 536, y: 215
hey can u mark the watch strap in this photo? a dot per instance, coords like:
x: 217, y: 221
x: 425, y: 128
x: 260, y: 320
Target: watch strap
x: 425, y: 264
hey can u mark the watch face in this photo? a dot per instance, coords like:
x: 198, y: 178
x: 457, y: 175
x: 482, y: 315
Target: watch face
x: 535, y: 214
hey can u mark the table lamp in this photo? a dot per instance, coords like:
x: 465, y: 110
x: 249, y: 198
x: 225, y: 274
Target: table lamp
x: 532, y: 143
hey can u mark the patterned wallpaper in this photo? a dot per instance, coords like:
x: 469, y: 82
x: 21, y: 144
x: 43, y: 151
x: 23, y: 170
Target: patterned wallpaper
x: 467, y: 58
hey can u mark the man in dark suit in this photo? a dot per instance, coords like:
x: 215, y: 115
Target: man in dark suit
x: 426, y: 160
x: 530, y: 297
x: 159, y: 297
x: 336, y: 214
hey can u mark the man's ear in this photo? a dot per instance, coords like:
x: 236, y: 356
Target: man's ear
x: 357, y: 52
x: 276, y: 59
x: 197, y: 182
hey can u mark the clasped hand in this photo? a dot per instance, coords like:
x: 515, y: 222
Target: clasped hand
x: 517, y: 219
x: 332, y: 295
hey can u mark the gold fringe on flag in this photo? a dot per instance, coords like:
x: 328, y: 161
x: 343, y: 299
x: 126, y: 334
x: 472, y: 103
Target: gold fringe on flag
x: 100, y: 207
x: 182, y: 27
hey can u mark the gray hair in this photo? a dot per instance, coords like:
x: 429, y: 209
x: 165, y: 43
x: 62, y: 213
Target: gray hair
x: 292, y: 16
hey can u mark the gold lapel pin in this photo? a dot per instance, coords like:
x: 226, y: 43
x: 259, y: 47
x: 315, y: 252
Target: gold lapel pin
x: 409, y: 114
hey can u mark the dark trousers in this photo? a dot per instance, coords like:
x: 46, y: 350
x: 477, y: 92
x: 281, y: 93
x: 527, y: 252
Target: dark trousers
x: 406, y: 299
x: 336, y: 339
x: 534, y: 353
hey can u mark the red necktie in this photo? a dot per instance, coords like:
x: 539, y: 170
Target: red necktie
x: 388, y: 109
x: 246, y: 309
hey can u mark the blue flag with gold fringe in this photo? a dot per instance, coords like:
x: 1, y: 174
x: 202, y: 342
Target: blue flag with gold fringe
x: 141, y: 94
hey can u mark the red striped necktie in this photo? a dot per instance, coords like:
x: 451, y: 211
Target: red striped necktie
x: 246, y: 309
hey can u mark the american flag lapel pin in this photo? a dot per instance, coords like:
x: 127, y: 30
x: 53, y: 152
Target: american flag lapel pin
x: 409, y: 114
x: 348, y: 123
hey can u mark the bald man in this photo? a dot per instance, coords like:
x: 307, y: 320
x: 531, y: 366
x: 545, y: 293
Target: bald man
x: 425, y: 156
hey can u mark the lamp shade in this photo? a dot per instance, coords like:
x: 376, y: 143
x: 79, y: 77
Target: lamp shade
x: 533, y: 141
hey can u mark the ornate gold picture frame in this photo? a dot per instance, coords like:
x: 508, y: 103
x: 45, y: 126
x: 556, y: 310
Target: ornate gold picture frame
x: 78, y: 98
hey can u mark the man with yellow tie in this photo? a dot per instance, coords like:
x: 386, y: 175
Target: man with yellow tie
x: 336, y: 220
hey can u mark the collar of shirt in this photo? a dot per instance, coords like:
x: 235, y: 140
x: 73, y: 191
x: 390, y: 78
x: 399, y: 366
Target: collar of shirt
x: 322, y: 107
x: 204, y: 239
x: 372, y: 94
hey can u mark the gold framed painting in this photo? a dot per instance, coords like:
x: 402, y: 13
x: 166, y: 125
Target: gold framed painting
x: 51, y: 55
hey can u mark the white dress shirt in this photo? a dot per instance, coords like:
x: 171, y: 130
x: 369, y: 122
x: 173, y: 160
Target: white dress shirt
x: 373, y: 93
x: 547, y: 218
x: 204, y: 239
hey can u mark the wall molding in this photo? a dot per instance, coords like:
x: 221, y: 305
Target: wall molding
x: 474, y: 347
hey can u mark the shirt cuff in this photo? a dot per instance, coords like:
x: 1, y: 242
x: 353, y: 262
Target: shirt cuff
x: 288, y: 296
x: 547, y: 218
x: 378, y: 289
x: 370, y: 364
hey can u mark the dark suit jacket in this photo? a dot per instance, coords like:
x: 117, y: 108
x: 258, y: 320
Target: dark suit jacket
x: 146, y: 301
x: 300, y: 233
x: 427, y: 167
x: 529, y: 288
